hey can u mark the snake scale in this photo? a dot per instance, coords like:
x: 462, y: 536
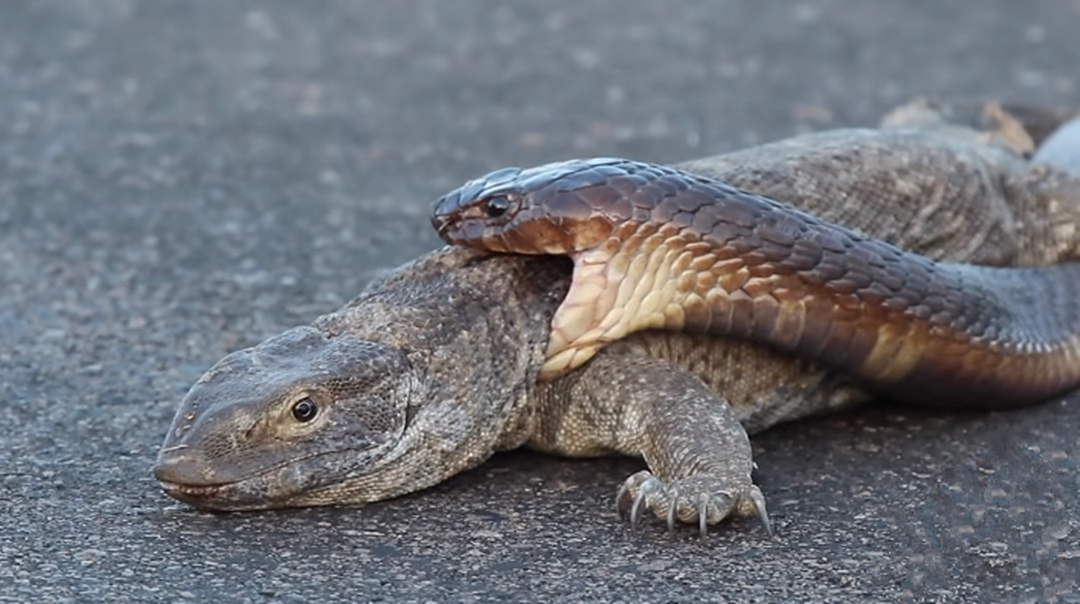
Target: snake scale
x: 659, y: 247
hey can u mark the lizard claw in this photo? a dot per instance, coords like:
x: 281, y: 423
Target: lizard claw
x: 635, y: 498
x: 671, y: 510
x: 635, y: 512
x: 757, y: 500
x: 701, y: 499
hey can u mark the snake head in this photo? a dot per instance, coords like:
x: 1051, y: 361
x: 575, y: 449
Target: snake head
x: 557, y: 208
x: 492, y: 200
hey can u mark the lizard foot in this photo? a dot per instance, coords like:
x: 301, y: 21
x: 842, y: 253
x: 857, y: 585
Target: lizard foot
x: 702, y: 499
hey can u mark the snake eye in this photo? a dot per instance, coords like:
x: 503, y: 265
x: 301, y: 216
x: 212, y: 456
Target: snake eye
x: 497, y: 206
x: 304, y: 410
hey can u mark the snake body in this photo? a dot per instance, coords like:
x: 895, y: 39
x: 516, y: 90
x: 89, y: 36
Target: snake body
x: 657, y: 247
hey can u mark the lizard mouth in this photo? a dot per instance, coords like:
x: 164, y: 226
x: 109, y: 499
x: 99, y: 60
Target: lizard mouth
x: 230, y: 498
x: 189, y: 479
x: 268, y: 489
x: 201, y: 496
x: 214, y: 498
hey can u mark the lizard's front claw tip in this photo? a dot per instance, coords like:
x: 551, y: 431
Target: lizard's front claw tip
x: 757, y: 502
x: 633, y: 496
x: 701, y: 499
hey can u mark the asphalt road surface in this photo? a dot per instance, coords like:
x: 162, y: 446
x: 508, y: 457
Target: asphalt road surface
x: 182, y: 178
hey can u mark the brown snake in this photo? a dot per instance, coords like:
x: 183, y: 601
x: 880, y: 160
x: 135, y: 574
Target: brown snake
x: 657, y: 247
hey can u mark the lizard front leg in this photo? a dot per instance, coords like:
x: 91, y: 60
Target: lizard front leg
x: 625, y: 401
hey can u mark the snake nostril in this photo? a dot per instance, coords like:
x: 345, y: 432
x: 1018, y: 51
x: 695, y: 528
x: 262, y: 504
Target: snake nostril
x: 442, y: 221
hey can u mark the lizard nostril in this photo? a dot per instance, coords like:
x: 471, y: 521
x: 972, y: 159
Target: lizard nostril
x: 176, y: 466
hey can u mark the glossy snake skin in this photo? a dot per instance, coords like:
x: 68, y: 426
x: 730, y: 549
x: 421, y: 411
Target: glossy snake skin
x: 659, y: 247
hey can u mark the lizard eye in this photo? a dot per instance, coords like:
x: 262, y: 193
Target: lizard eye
x: 304, y: 410
x: 497, y: 206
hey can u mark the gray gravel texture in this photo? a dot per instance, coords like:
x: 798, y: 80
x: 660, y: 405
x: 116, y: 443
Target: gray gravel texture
x: 182, y: 178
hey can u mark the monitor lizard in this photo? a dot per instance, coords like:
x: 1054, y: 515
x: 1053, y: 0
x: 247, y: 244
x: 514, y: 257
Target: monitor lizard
x: 434, y: 366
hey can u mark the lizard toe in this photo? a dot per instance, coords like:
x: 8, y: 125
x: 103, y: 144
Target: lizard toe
x: 700, y: 499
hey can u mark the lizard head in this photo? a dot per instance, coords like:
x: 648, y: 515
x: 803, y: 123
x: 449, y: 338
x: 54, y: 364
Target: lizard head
x: 301, y: 419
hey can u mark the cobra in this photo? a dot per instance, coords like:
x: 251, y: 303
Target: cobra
x: 658, y: 247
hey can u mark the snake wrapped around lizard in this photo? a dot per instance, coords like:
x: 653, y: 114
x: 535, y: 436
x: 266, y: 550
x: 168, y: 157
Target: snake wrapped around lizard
x: 375, y: 399
x: 662, y: 247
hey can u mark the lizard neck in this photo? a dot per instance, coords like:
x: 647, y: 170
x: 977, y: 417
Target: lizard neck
x: 474, y: 327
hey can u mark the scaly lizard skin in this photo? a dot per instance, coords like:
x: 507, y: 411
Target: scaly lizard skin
x: 433, y: 369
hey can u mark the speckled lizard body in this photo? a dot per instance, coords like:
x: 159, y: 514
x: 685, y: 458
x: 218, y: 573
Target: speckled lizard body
x: 433, y: 368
